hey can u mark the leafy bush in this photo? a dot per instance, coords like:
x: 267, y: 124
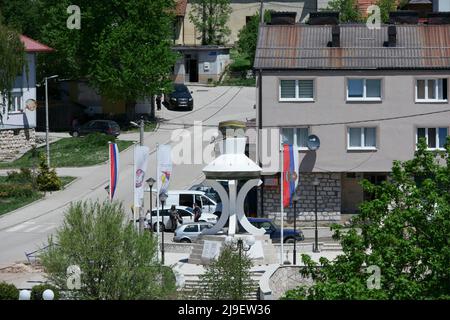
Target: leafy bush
x: 23, y: 176
x: 227, y: 278
x: 98, y: 139
x: 14, y: 190
x: 37, y: 291
x: 116, y: 261
x: 8, y: 291
x: 47, y: 179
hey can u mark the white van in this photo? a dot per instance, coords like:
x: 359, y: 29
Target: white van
x: 187, y: 198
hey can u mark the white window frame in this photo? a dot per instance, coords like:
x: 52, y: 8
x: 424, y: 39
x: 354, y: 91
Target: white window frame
x: 13, y: 107
x: 436, y: 91
x: 426, y: 136
x: 364, y: 97
x: 295, y: 136
x: 297, y: 91
x: 362, y: 139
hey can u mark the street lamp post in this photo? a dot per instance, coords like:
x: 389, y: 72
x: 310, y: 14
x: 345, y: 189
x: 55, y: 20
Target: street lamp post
x: 316, y: 233
x: 162, y: 199
x: 295, y: 200
x: 240, y: 245
x: 150, y: 181
x: 46, y: 118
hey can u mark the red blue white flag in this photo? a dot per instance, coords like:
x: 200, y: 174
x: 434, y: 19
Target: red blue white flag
x: 290, y: 173
x: 113, y: 169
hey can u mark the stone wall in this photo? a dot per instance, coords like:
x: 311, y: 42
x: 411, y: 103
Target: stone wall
x: 14, y: 142
x: 280, y: 280
x: 328, y: 198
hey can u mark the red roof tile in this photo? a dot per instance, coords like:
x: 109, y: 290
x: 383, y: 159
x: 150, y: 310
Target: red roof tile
x: 34, y: 46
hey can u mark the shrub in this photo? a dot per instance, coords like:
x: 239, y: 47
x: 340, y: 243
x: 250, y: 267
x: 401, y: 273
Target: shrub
x: 99, y: 139
x: 47, y: 179
x: 37, y: 291
x: 116, y: 261
x: 8, y: 291
x: 227, y: 278
x: 23, y: 176
x: 14, y: 190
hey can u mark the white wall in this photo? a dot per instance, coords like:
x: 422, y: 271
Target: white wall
x: 26, y: 84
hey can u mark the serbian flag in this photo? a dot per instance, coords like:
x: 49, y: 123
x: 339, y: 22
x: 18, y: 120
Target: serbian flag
x: 113, y: 169
x: 290, y: 173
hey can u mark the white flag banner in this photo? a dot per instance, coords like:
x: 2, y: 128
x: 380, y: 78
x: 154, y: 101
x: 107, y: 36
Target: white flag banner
x: 141, y: 155
x: 164, y: 170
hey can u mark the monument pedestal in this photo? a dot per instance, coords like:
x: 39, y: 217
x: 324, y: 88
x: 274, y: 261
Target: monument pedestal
x: 208, y: 247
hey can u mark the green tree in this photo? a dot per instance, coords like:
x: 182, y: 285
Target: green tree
x: 227, y: 278
x: 211, y: 17
x: 47, y: 178
x: 248, y: 36
x: 123, y: 47
x: 12, y: 61
x: 348, y: 10
x: 22, y: 15
x: 116, y: 262
x: 386, y: 6
x: 404, y: 232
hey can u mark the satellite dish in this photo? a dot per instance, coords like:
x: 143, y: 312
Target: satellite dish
x: 313, y: 142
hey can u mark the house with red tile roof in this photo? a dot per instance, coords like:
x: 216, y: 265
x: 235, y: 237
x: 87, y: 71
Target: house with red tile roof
x: 18, y: 114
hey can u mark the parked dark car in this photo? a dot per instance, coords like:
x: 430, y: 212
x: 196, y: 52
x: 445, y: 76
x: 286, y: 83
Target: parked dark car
x: 180, y: 98
x: 275, y: 231
x: 103, y: 126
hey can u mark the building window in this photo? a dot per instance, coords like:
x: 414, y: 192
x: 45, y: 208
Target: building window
x: 431, y: 90
x: 364, y: 89
x: 362, y: 139
x: 15, y: 104
x: 296, y: 90
x: 435, y: 137
x: 296, y: 136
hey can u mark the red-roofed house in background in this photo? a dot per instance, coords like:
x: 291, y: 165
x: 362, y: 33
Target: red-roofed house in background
x: 18, y: 117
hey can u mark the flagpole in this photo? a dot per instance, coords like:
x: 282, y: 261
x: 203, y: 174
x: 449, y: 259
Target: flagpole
x: 158, y: 188
x: 110, y: 166
x: 281, y: 202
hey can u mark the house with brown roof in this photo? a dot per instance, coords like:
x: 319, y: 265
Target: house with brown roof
x: 367, y: 94
x: 206, y: 64
x: 18, y: 114
x: 242, y: 10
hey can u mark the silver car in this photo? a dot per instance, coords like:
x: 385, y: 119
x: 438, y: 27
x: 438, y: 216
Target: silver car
x: 189, y: 232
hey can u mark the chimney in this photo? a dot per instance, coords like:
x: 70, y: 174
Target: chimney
x: 336, y: 36
x: 392, y: 36
x: 404, y: 17
x: 282, y: 18
x: 439, y: 18
x: 324, y: 18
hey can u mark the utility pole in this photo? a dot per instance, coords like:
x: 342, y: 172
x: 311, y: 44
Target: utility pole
x: 141, y: 208
x: 46, y: 119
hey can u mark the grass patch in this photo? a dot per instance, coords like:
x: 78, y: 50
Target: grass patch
x: 12, y: 203
x: 149, y: 126
x: 68, y: 152
x: 241, y: 82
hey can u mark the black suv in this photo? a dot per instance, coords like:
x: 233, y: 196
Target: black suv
x: 180, y: 98
x: 103, y: 126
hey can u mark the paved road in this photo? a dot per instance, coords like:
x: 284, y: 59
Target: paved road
x: 28, y: 228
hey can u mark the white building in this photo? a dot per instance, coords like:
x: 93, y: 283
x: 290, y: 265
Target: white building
x: 18, y: 116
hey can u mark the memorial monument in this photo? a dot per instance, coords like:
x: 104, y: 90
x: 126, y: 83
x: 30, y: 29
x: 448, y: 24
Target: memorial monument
x: 232, y: 166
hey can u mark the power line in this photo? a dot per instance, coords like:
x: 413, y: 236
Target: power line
x: 325, y: 124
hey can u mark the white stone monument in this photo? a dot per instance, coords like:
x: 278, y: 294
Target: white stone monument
x: 232, y: 165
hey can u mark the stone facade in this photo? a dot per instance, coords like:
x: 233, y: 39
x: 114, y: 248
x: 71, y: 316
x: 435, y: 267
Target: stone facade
x: 287, y: 278
x: 328, y: 199
x: 14, y: 142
